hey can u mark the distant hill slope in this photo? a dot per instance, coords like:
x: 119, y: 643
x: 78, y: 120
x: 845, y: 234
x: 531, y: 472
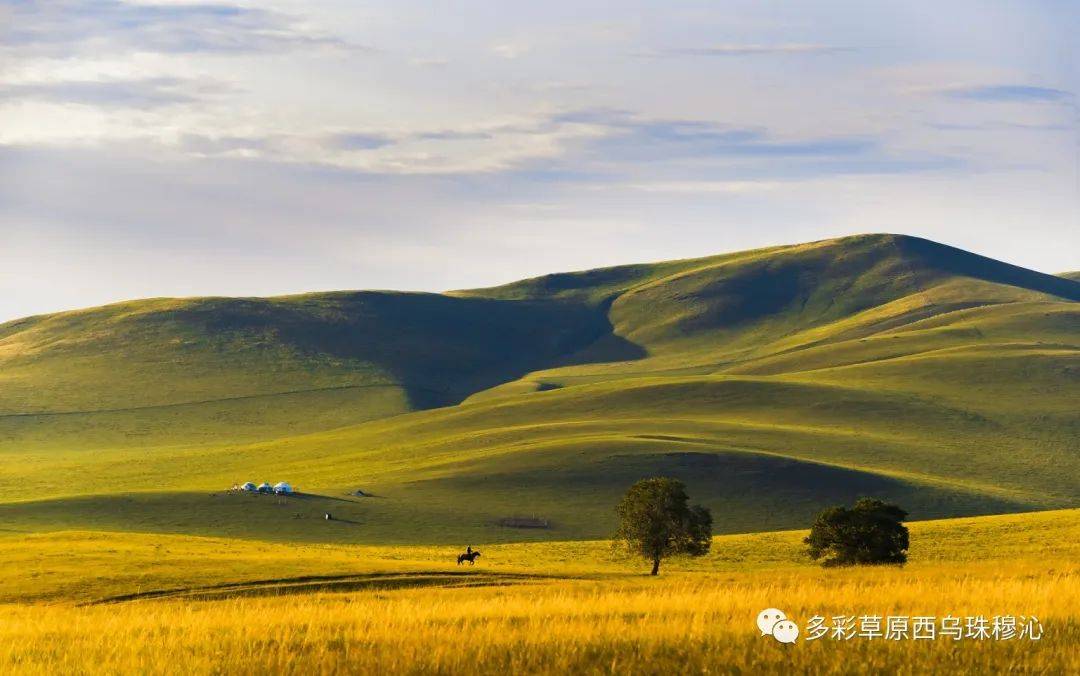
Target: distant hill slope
x: 788, y: 309
x: 774, y: 381
x: 391, y: 351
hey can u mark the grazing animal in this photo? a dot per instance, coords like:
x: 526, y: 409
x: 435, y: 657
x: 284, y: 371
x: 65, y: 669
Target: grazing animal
x: 470, y: 556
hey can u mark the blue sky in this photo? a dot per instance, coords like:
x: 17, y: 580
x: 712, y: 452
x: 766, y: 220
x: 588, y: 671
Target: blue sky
x: 179, y: 148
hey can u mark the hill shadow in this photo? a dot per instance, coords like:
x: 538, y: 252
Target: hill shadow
x: 944, y: 257
x: 747, y: 491
x: 442, y: 349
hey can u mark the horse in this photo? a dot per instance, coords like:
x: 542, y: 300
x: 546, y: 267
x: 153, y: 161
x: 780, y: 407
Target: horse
x: 470, y: 557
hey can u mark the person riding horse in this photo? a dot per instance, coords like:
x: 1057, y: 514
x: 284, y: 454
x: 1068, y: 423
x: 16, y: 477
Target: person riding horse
x: 469, y: 556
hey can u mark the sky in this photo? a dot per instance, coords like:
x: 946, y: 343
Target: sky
x: 259, y: 148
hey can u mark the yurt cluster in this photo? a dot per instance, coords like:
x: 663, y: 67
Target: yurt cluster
x: 280, y: 488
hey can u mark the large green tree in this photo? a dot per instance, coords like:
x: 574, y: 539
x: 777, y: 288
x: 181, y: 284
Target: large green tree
x: 655, y: 521
x: 869, y: 532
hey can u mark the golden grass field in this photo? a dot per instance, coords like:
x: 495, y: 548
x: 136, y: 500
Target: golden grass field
x: 550, y: 608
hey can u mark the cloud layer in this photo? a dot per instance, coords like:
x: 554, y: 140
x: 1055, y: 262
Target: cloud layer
x: 66, y: 27
x: 149, y: 92
x: 157, y: 147
x: 1009, y: 93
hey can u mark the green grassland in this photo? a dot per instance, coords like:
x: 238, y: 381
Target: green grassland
x: 774, y: 382
x: 82, y: 567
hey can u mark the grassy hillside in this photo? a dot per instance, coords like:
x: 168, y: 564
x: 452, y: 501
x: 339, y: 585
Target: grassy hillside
x: 775, y: 382
x: 165, y: 352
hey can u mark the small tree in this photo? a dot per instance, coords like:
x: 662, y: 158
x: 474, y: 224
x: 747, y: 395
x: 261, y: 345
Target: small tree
x: 655, y: 521
x: 868, y: 533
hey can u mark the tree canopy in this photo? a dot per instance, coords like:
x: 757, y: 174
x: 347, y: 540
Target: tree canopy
x: 655, y: 521
x: 870, y: 532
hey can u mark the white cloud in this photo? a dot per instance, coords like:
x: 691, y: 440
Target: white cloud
x: 748, y: 50
x: 151, y: 92
x: 429, y: 62
x: 511, y: 49
x: 731, y: 187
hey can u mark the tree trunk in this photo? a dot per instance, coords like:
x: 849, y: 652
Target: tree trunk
x: 655, y: 566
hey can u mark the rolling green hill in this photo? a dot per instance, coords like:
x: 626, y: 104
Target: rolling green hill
x: 341, y: 357
x: 774, y: 381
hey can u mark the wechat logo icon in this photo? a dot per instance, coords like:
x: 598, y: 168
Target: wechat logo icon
x: 773, y: 622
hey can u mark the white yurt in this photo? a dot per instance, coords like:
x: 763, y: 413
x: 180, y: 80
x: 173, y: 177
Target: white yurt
x: 282, y: 488
x: 265, y: 488
x: 249, y: 487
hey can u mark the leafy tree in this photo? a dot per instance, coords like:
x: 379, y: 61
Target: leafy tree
x: 655, y: 521
x: 870, y: 532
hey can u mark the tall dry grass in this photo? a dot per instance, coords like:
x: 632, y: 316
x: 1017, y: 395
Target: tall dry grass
x: 686, y: 623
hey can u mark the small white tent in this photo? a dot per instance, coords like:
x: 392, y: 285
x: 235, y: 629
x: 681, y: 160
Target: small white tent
x: 249, y: 487
x: 282, y: 488
x: 265, y: 488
